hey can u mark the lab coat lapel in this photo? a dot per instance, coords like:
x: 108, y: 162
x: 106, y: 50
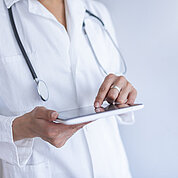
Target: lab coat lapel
x: 35, y: 7
x: 75, y: 13
x: 9, y: 3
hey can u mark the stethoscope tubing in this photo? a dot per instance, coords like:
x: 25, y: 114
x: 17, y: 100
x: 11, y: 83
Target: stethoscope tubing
x: 110, y: 37
x: 41, y: 85
x: 34, y: 75
x: 42, y: 88
x: 93, y: 51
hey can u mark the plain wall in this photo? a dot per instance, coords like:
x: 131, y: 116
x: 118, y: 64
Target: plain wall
x: 147, y: 32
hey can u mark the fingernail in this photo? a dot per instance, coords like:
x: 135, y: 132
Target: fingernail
x: 97, y: 104
x: 54, y: 115
x: 98, y: 110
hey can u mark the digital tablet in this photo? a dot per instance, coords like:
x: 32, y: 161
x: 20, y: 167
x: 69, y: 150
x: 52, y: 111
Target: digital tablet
x: 86, y: 114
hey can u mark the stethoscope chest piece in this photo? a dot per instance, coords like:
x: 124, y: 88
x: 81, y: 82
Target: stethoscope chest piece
x: 42, y: 90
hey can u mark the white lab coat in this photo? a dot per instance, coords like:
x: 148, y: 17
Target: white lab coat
x: 65, y: 62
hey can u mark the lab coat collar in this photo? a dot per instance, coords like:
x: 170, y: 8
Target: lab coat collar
x: 75, y: 10
x: 9, y: 3
x: 75, y: 13
x: 36, y: 8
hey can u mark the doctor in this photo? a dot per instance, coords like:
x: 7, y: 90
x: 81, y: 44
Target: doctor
x: 31, y: 145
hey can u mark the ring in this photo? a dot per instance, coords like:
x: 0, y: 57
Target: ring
x: 116, y: 87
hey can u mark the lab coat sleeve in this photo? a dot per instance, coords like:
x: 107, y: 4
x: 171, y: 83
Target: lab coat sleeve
x: 17, y: 152
x: 102, y: 12
x: 126, y: 119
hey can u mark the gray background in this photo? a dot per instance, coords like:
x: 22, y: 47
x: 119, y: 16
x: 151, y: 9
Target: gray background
x: 147, y: 32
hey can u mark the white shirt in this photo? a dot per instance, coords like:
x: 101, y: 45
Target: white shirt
x: 65, y: 62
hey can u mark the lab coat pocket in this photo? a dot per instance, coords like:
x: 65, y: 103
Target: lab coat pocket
x: 19, y: 89
x: 40, y: 170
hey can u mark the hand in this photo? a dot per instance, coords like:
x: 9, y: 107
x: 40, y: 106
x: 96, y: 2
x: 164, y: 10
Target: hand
x: 126, y: 95
x: 39, y: 123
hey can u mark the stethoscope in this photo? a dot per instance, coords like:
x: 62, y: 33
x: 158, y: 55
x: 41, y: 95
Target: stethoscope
x: 41, y: 85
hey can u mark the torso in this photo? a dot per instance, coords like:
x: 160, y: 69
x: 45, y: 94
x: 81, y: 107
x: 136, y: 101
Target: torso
x: 94, y: 151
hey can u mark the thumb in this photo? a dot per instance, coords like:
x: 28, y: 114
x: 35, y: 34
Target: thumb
x: 53, y: 115
x: 46, y: 114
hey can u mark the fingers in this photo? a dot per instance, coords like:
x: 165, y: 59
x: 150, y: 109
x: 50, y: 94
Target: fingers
x: 113, y: 93
x: 61, y: 128
x: 77, y: 126
x: 124, y: 93
x: 58, y: 135
x: 46, y: 114
x: 99, y: 110
x: 106, y: 85
x: 132, y: 96
x: 127, y: 93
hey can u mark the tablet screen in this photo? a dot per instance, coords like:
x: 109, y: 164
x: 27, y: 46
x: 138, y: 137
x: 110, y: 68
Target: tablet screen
x: 86, y: 111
